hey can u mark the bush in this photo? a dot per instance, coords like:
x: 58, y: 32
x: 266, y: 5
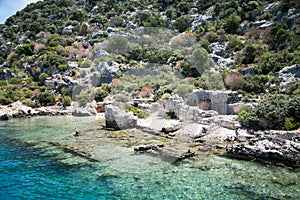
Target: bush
x: 30, y: 103
x: 26, y: 50
x: 3, y: 83
x: 254, y: 84
x: 15, y: 81
x: 67, y: 101
x: 243, y: 115
x: 171, y: 115
x: 84, y: 97
x: 233, y: 80
x: 290, y: 123
x: 182, y: 23
x: 54, y: 40
x: 183, y: 90
x: 274, y: 112
x: 232, y: 24
x: 43, y: 77
x: 102, y: 93
x: 248, y: 54
x: 138, y: 112
x: 46, y: 99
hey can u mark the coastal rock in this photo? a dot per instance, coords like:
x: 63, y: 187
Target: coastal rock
x: 19, y: 110
x: 268, y: 146
x: 116, y: 118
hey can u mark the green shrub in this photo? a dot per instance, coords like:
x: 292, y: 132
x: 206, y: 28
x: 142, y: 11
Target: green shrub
x: 101, y: 94
x: 43, y: 77
x: 182, y: 23
x: 183, y: 90
x: 254, y: 84
x: 85, y: 64
x: 54, y: 40
x: 84, y: 97
x: 274, y: 112
x: 137, y: 112
x: 26, y: 50
x: 232, y: 24
x: 62, y: 67
x: 46, y: 99
x: 248, y: 54
x: 5, y: 100
x: 15, y: 81
x: 290, y: 123
x: 67, y: 101
x: 30, y: 103
x: 243, y: 115
x: 3, y: 83
x: 171, y: 115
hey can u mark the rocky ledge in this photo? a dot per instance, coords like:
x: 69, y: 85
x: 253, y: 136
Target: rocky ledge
x: 281, y: 148
x: 19, y: 110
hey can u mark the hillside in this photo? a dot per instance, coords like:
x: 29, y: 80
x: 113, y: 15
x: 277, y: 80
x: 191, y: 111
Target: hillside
x: 58, y: 51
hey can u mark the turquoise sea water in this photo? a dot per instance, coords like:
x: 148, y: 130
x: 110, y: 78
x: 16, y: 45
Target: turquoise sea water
x: 33, y: 166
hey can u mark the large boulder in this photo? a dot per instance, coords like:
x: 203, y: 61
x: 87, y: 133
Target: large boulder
x: 116, y: 118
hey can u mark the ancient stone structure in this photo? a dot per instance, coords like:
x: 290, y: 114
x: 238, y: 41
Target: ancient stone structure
x: 219, y: 101
x: 116, y: 118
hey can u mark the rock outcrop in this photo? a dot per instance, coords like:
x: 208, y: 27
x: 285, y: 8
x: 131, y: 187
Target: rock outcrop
x: 269, y: 146
x: 289, y: 76
x: 107, y: 71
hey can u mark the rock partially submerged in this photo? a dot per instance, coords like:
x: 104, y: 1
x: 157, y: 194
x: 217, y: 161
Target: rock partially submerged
x: 269, y: 146
x: 159, y: 150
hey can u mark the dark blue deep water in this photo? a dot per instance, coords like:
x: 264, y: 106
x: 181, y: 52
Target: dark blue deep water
x: 33, y: 166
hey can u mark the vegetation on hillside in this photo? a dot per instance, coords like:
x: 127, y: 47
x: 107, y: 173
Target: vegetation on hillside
x: 39, y: 42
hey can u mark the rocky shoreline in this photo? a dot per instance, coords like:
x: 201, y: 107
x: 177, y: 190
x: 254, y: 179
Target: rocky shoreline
x: 175, y: 139
x: 199, y: 131
x: 19, y: 110
x: 278, y: 147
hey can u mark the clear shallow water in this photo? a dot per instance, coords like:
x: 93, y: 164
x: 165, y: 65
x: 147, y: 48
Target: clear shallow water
x: 31, y: 167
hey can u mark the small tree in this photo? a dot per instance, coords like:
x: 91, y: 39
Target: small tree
x: 182, y: 23
x: 232, y: 24
x: 249, y: 54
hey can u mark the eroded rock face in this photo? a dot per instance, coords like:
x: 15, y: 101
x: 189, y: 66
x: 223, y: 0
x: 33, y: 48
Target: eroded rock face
x: 269, y: 146
x: 116, y: 118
